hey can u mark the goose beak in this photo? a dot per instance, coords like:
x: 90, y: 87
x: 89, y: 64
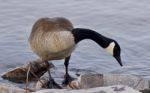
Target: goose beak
x: 118, y: 58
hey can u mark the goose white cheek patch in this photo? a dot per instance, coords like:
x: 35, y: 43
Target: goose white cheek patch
x: 110, y: 48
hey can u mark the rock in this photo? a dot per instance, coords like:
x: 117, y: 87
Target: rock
x: 19, y: 74
x: 41, y: 84
x: 11, y: 89
x: 136, y: 82
x: 87, y: 81
x: 92, y: 83
x: 99, y: 80
x: 145, y: 91
x: 109, y: 89
x: 44, y: 81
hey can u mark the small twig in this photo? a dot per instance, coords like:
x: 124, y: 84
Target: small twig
x: 27, y: 79
x: 37, y: 77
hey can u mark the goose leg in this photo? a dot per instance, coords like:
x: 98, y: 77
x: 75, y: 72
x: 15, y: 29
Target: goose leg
x: 67, y: 77
x: 52, y: 83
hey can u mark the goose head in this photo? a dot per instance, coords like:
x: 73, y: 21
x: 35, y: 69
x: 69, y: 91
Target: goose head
x: 110, y: 45
x: 114, y: 49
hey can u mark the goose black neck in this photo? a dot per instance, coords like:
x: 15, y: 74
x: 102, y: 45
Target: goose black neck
x: 81, y: 34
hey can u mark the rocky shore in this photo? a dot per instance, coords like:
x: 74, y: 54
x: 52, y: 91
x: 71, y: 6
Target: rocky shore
x: 84, y: 83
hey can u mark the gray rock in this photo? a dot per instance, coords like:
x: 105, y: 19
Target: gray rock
x: 10, y: 89
x: 109, y: 89
x: 91, y: 83
x: 136, y: 82
x: 99, y: 80
x: 87, y: 81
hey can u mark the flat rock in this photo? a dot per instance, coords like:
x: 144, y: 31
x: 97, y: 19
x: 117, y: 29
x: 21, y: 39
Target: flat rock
x: 108, y: 89
x: 93, y: 83
x: 87, y: 81
x: 99, y: 80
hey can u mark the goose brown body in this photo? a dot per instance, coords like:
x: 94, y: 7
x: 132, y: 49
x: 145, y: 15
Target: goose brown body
x: 51, y: 38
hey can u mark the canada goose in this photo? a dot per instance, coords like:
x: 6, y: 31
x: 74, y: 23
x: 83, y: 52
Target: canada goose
x: 55, y: 38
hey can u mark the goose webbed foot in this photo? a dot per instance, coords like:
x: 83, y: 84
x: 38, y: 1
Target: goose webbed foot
x: 67, y: 79
x: 53, y: 85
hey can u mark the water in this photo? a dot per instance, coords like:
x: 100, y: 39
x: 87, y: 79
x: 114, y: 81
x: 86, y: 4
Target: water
x: 127, y: 21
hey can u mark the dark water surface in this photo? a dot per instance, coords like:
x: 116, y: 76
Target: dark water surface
x: 127, y: 21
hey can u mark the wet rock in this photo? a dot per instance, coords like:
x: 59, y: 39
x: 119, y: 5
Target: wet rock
x: 88, y: 81
x: 93, y: 83
x: 11, y: 89
x: 19, y: 74
x: 108, y: 89
x: 99, y: 80
x: 44, y: 82
x: 145, y: 91
x: 136, y: 82
x: 41, y: 85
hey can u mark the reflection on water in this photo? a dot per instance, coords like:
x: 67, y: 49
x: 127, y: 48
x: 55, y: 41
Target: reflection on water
x: 126, y: 21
